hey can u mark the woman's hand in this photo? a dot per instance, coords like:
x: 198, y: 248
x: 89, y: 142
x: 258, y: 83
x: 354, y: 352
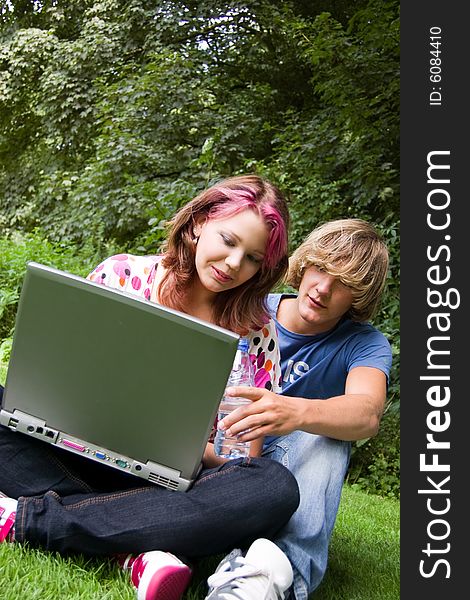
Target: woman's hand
x: 210, y: 459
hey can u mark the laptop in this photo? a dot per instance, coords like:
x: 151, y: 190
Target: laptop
x: 114, y: 378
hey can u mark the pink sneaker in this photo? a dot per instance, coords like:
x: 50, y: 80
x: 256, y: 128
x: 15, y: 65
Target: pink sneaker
x: 157, y: 575
x: 7, y: 518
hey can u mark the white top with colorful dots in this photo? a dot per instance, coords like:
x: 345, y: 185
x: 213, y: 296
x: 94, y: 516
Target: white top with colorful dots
x: 136, y: 274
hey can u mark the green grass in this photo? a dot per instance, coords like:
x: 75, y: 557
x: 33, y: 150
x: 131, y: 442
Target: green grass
x: 364, y: 563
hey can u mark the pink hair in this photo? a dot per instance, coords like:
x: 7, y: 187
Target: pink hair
x: 246, y: 198
x: 242, y: 308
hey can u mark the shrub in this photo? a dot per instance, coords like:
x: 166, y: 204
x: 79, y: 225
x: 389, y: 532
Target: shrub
x: 375, y: 464
x: 16, y: 250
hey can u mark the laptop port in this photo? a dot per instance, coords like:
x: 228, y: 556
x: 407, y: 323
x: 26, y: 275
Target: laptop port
x: 73, y: 445
x: 12, y: 423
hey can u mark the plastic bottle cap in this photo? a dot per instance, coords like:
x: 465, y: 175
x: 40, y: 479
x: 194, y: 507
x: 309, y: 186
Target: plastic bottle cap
x: 243, y: 344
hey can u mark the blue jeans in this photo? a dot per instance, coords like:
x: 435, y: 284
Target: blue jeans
x: 67, y: 503
x: 319, y: 464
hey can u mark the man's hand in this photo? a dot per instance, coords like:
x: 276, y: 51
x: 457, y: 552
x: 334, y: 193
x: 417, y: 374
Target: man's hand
x: 354, y: 415
x: 269, y: 414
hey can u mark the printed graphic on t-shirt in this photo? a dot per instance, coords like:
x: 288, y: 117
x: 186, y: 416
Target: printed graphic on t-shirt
x: 294, y: 370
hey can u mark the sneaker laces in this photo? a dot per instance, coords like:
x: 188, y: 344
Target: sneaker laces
x: 245, y: 582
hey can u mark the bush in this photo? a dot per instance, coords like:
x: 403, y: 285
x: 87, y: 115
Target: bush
x: 375, y: 464
x: 15, y: 251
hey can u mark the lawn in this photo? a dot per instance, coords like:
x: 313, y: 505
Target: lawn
x: 365, y: 550
x: 364, y: 563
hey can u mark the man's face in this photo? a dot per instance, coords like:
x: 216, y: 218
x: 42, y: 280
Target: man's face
x: 322, y: 300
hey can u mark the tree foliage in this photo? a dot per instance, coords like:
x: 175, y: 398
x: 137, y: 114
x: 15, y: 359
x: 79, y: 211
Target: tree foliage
x: 110, y: 111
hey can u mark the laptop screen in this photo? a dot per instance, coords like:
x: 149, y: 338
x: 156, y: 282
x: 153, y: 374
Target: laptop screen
x: 115, y: 370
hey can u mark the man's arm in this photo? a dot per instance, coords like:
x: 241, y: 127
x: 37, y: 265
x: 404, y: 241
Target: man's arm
x: 352, y: 416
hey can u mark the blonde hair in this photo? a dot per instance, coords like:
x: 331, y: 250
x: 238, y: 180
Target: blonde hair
x: 354, y: 252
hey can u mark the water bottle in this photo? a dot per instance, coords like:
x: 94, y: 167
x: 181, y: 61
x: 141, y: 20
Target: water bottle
x: 242, y: 374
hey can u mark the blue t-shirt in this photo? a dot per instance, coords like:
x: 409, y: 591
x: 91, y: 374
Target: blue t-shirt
x: 316, y: 366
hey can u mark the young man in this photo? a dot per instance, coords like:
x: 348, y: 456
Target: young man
x: 335, y: 367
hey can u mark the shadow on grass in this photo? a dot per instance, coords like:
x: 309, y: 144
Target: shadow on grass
x: 356, y: 578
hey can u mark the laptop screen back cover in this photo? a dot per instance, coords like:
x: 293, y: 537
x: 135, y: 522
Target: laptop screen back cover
x: 115, y: 370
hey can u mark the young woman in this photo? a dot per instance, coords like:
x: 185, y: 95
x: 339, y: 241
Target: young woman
x: 225, y: 250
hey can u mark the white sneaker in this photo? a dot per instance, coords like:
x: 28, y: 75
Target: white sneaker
x: 265, y: 573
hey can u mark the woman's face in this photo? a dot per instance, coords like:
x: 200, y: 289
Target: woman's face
x: 230, y: 251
